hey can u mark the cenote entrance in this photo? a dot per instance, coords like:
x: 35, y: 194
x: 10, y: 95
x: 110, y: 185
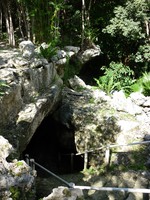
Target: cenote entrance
x: 53, y: 147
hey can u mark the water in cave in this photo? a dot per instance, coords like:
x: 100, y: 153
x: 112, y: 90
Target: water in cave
x: 53, y: 146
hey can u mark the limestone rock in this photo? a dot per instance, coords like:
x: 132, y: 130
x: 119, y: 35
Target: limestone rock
x: 27, y: 49
x: 14, y: 176
x: 99, y: 120
x: 71, y: 49
x: 32, y: 91
x: 77, y: 83
x: 64, y: 193
x: 120, y: 102
x: 88, y: 54
x: 5, y: 148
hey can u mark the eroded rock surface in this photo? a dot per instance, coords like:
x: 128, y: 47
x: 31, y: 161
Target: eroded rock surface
x: 31, y: 90
x: 100, y: 120
x: 64, y: 193
x: 16, y: 177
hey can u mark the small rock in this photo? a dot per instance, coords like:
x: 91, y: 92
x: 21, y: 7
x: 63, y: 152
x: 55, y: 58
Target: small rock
x: 27, y: 49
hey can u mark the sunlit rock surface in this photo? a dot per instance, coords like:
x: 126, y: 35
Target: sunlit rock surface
x: 16, y: 177
x: 64, y: 193
x: 32, y: 90
x: 100, y: 120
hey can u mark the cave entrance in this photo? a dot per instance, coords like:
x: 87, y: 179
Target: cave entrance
x: 92, y: 69
x: 53, y: 147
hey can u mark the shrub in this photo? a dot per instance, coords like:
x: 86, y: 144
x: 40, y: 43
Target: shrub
x: 142, y: 84
x: 116, y: 77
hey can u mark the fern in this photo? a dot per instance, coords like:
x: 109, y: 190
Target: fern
x: 142, y: 85
x: 116, y: 77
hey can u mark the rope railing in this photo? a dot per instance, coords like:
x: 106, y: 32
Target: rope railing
x: 32, y: 163
x: 133, y: 190
x: 111, y: 146
x: 108, y: 147
x: 130, y: 144
x: 107, y: 151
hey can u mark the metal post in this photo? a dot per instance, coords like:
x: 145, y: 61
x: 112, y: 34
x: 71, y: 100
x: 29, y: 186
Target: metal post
x: 107, y: 156
x: 85, y: 160
x: 72, y: 163
x: 27, y: 159
x: 32, y: 164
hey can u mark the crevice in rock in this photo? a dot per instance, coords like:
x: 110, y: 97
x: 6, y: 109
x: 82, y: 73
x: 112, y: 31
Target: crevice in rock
x: 53, y: 147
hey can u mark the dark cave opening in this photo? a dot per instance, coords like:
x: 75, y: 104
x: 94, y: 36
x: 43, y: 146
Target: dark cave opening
x: 92, y: 69
x: 53, y: 147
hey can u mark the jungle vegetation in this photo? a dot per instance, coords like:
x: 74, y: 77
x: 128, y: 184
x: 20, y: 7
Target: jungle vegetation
x: 120, y: 28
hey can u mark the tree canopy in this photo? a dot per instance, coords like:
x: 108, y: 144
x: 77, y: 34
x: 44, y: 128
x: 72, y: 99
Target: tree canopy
x: 121, y: 28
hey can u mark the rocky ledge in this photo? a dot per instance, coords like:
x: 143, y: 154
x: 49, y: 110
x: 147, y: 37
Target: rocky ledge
x: 100, y: 120
x: 30, y: 89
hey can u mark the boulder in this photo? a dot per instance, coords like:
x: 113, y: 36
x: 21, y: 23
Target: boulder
x: 101, y: 120
x: 88, y: 54
x: 31, y: 91
x: 27, y: 49
x: 64, y: 193
x: 16, y: 177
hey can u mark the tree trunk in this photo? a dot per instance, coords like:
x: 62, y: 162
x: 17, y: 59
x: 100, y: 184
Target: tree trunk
x: 83, y: 24
x: 11, y: 30
x: 9, y: 24
x: 1, y: 24
x: 21, y: 21
x: 28, y: 23
x: 88, y: 14
x: 147, y: 29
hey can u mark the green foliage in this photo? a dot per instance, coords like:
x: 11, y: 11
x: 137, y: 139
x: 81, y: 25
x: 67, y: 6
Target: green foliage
x: 143, y: 54
x: 116, y: 77
x: 67, y: 192
x: 134, y: 159
x: 128, y: 32
x: 15, y: 193
x: 54, y: 18
x: 142, y: 84
x: 91, y: 33
x: 48, y: 51
x: 44, y: 18
x: 71, y: 25
x: 18, y: 193
x: 19, y: 163
x: 3, y: 87
x: 90, y: 171
x: 146, y: 84
x: 128, y: 19
x: 70, y: 70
